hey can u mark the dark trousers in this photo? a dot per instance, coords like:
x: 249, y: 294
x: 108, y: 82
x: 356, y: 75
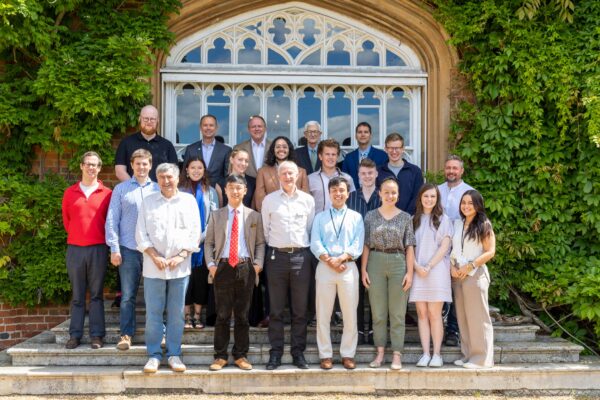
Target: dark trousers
x: 312, y: 306
x: 451, y: 322
x: 86, y: 266
x: 233, y: 292
x: 288, y: 272
x: 360, y: 310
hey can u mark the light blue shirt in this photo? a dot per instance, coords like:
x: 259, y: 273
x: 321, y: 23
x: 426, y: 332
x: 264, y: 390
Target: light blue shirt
x: 207, y: 150
x: 335, y: 232
x: 451, y: 199
x: 123, y: 212
x: 363, y: 154
x: 242, y: 248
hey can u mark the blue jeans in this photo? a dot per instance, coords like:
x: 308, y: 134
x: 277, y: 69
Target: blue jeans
x: 159, y: 293
x: 130, y: 271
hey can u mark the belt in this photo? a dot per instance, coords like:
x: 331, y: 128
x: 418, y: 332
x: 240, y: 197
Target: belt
x: 388, y: 251
x: 241, y: 260
x: 289, y: 250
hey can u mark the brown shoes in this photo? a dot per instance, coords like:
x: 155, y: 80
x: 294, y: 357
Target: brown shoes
x: 97, y: 342
x: 72, y: 343
x: 348, y: 363
x: 218, y: 364
x: 326, y: 363
x: 242, y: 363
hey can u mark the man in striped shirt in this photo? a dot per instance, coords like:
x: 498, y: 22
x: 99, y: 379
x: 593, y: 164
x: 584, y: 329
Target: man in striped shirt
x: 362, y: 201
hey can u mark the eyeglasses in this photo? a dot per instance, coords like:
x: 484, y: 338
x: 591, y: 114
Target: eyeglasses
x: 394, y: 148
x: 91, y: 165
x: 313, y: 132
x: 146, y: 119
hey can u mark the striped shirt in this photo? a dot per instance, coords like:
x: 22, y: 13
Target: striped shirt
x: 356, y: 201
x: 123, y: 212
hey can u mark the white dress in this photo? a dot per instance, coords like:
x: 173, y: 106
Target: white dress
x: 436, y: 286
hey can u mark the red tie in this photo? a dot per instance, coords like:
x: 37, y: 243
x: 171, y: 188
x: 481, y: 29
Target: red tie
x: 233, y: 241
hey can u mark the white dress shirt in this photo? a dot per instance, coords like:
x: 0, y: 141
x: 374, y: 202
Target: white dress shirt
x: 170, y: 225
x: 258, y: 152
x: 287, y: 220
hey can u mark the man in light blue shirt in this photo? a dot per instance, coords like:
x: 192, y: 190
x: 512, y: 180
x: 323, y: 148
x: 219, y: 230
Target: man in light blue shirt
x: 120, y: 237
x: 337, y: 240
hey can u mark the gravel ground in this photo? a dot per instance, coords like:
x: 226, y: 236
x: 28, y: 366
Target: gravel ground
x: 339, y: 396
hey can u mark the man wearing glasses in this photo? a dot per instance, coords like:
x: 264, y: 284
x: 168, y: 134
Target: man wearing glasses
x: 162, y: 149
x: 409, y: 176
x: 307, y: 156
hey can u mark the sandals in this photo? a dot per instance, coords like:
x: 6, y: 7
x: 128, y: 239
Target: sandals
x: 189, y: 322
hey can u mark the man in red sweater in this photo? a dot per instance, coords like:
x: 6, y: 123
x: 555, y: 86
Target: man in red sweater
x: 84, y: 208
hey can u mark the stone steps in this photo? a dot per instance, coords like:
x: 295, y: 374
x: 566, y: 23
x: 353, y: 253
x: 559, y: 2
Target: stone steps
x: 567, y: 379
x: 54, y: 354
x: 502, y: 333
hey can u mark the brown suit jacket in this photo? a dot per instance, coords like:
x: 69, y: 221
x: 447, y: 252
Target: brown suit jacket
x: 216, y: 235
x: 246, y: 145
x: 267, y: 182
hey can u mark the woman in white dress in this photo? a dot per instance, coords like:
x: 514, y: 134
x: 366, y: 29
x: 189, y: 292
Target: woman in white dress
x: 473, y: 244
x: 431, y: 284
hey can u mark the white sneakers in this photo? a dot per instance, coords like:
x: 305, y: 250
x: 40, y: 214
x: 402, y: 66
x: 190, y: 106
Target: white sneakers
x: 152, y: 365
x: 174, y: 362
x: 427, y: 361
x: 459, y: 362
x: 424, y: 360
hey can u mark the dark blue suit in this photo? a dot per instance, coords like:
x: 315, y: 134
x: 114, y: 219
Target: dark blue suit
x: 303, y: 160
x: 410, y: 180
x: 351, y: 162
x: 219, y: 160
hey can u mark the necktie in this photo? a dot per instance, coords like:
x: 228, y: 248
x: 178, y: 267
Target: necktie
x: 363, y: 156
x: 233, y: 241
x: 313, y: 158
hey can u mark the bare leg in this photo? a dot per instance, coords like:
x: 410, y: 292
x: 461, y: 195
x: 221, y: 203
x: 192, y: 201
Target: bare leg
x: 424, y: 332
x: 434, y: 311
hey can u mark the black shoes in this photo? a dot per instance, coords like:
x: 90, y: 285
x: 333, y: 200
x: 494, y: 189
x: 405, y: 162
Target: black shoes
x: 299, y: 361
x: 370, y: 338
x: 451, y: 339
x: 361, y: 338
x: 274, y: 362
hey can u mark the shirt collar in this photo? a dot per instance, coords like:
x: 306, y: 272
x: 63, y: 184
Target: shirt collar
x: 209, y: 144
x: 366, y: 152
x: 261, y: 144
x: 239, y: 209
x: 134, y: 181
x: 340, y: 211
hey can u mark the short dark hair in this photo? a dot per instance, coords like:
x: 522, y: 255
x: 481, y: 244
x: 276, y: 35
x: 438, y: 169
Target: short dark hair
x: 209, y: 116
x: 393, y: 137
x: 365, y: 124
x: 367, y: 163
x: 328, y: 143
x: 337, y: 181
x: 236, y: 179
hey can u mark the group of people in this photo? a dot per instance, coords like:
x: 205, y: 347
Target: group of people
x: 308, y: 231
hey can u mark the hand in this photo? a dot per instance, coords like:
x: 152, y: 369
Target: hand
x: 173, y: 262
x: 407, y: 282
x: 463, y: 271
x: 115, y: 259
x: 421, y: 271
x: 365, y: 279
x: 212, y: 271
x: 160, y: 262
x: 257, y: 269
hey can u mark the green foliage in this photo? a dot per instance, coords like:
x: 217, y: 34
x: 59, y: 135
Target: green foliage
x: 531, y: 144
x: 72, y: 74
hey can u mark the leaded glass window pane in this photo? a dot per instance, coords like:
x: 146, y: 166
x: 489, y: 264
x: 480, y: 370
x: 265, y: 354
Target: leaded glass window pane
x: 188, y: 115
x: 339, y: 109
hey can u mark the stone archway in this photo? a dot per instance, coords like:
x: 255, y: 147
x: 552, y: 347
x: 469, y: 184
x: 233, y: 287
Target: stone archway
x: 411, y: 23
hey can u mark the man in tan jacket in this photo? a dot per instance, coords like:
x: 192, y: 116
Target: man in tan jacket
x: 234, y: 250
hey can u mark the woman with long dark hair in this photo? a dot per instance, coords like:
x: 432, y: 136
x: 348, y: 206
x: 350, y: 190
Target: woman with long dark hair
x: 473, y: 244
x: 431, y: 284
x: 267, y: 181
x: 194, y: 180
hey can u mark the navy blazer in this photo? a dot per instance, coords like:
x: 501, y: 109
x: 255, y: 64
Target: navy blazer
x: 410, y: 180
x: 218, y: 168
x: 303, y: 160
x: 351, y: 162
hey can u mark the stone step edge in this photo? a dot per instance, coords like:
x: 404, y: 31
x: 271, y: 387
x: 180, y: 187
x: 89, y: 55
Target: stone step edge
x: 572, y: 377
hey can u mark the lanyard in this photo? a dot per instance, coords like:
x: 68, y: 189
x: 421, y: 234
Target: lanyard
x: 337, y: 233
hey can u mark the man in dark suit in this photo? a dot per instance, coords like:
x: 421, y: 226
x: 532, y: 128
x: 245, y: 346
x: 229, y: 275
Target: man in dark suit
x: 365, y: 150
x: 234, y: 252
x: 306, y: 156
x: 258, y: 144
x: 214, y: 153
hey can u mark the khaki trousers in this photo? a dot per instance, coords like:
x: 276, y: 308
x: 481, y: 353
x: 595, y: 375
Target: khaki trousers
x: 473, y: 315
x: 345, y: 284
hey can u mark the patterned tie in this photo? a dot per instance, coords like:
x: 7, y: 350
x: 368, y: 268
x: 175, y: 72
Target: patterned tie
x: 313, y: 158
x: 233, y: 241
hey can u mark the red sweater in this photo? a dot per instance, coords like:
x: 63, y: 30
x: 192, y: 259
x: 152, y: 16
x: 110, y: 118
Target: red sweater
x: 84, y: 218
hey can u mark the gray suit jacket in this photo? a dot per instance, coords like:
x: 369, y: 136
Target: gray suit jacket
x: 216, y: 236
x: 246, y: 145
